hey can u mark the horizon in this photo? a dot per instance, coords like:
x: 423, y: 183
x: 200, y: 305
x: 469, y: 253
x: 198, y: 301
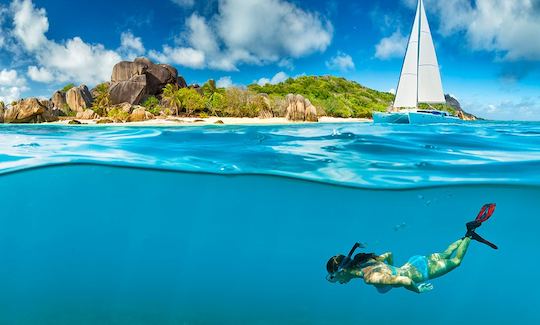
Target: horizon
x: 491, y: 67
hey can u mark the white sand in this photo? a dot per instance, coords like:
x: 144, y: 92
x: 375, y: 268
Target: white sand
x: 192, y: 121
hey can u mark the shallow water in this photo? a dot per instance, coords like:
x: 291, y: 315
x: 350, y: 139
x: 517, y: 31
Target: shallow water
x: 206, y: 233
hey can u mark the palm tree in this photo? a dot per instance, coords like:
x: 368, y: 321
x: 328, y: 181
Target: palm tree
x: 102, y: 100
x: 172, y: 98
x: 211, y: 90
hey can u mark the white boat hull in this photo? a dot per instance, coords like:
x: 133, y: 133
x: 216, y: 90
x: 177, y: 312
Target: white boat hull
x: 394, y: 118
x: 411, y: 117
x: 426, y: 118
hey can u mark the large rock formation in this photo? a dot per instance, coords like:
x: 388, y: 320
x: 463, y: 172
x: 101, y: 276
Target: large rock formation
x: 79, y: 98
x: 133, y: 81
x: 59, y: 101
x: 29, y: 110
x: 131, y: 91
x: 454, y: 103
x: 300, y: 109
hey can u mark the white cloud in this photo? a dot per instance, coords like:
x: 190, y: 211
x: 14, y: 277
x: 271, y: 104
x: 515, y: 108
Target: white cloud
x: 225, y: 82
x: 392, y: 91
x: 277, y: 78
x: 390, y: 47
x: 185, y: 56
x: 11, y: 85
x: 251, y: 32
x: 30, y: 24
x: 510, y: 28
x: 184, y: 3
x: 131, y: 46
x: 523, y: 109
x: 341, y: 61
x: 72, y: 60
x: 40, y: 74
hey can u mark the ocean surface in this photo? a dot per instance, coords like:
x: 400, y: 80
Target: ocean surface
x: 235, y: 224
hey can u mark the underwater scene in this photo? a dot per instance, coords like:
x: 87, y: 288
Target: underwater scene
x: 235, y: 224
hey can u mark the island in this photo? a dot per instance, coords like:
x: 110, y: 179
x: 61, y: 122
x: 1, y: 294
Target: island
x: 145, y: 92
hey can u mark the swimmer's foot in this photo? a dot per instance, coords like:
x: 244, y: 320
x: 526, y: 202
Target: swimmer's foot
x: 471, y: 233
x: 478, y: 238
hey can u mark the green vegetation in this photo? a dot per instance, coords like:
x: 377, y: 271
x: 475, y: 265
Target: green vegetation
x: 2, y: 105
x: 67, y: 87
x: 191, y: 100
x: 171, y: 98
x: 117, y: 114
x: 332, y: 96
x: 152, y: 105
x: 102, y: 99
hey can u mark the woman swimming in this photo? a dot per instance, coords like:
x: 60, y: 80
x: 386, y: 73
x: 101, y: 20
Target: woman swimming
x: 380, y: 272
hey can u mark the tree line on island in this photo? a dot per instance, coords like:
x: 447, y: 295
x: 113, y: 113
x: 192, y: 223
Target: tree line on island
x: 141, y: 90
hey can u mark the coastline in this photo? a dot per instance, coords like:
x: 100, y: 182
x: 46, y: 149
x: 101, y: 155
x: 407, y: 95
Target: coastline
x: 195, y: 121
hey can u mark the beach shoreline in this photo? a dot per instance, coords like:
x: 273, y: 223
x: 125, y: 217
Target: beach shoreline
x: 195, y: 121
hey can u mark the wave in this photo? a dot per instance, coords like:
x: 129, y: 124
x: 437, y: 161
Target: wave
x: 352, y: 154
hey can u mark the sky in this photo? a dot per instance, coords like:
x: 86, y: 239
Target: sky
x: 488, y: 50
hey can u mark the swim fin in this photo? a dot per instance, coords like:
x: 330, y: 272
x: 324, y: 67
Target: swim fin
x: 485, y: 213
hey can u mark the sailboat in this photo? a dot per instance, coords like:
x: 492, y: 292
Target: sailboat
x: 420, y: 80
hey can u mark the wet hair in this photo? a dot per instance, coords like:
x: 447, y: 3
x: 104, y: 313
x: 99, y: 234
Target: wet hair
x: 362, y: 258
x: 333, y: 263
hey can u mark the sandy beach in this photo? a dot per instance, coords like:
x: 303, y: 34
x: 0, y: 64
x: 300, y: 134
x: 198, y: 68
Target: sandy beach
x: 194, y: 121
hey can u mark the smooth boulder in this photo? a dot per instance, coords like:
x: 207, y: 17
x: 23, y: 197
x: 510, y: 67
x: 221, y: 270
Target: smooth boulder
x: 140, y: 114
x: 300, y: 109
x: 59, y: 101
x: 29, y: 110
x: 87, y: 115
x: 131, y: 91
x: 132, y: 82
x: 79, y: 98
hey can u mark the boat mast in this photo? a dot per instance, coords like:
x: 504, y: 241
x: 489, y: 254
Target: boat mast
x: 420, y: 4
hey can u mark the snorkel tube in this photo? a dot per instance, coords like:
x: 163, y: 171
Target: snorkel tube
x: 347, y: 260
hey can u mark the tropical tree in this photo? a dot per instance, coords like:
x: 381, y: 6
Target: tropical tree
x: 210, y: 91
x: 102, y: 99
x: 191, y: 100
x: 172, y: 98
x: 152, y: 105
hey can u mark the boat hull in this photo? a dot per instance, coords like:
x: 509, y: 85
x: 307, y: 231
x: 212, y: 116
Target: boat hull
x: 426, y: 118
x: 394, y: 118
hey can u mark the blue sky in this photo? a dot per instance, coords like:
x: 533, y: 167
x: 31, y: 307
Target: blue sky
x: 489, y: 50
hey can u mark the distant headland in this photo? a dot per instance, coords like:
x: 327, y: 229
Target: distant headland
x: 142, y: 91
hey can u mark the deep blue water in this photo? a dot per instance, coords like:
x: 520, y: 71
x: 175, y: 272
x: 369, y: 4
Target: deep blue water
x: 234, y: 225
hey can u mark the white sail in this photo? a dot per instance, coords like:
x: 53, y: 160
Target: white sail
x: 407, y: 90
x: 429, y: 78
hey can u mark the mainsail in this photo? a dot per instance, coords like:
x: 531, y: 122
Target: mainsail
x: 420, y: 80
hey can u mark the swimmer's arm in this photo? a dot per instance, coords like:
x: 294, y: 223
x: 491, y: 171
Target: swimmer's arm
x: 397, y: 281
x: 386, y: 257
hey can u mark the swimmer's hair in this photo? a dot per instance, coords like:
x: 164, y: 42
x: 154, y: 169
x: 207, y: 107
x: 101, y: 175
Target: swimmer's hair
x: 333, y: 263
x: 362, y: 258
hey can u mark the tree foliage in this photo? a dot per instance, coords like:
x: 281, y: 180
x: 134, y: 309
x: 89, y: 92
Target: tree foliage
x: 102, y: 99
x: 67, y: 87
x: 333, y: 96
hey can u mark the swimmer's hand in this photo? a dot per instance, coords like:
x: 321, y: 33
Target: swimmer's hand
x: 424, y: 287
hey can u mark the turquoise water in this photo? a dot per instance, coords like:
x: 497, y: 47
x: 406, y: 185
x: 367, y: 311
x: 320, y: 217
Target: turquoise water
x: 234, y: 225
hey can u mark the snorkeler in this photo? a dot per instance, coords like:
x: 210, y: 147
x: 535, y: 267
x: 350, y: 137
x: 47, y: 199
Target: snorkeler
x: 380, y: 272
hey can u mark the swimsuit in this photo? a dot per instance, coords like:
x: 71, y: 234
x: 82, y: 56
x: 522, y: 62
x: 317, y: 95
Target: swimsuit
x: 421, y: 264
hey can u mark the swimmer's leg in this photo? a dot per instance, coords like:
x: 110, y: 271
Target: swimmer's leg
x: 441, y: 264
